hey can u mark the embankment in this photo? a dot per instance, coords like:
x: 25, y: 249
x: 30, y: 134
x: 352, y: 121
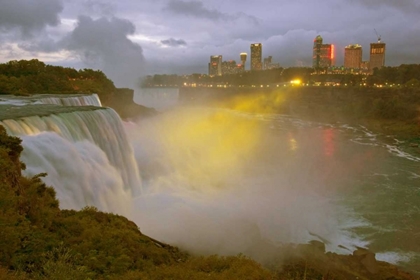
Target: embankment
x: 391, y: 111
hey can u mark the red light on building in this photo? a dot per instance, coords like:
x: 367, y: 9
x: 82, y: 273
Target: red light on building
x: 332, y: 51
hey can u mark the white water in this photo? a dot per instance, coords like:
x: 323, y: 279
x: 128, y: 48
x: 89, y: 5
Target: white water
x: 86, y: 154
x: 83, y: 100
x: 65, y: 100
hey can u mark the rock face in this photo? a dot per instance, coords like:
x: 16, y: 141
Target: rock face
x: 122, y: 102
x: 367, y: 259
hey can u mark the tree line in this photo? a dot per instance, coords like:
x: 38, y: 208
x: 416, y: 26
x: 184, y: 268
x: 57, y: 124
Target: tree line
x: 25, y: 77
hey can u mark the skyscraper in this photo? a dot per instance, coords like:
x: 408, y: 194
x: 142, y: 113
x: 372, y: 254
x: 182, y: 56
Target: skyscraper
x: 353, y: 56
x: 267, y: 62
x: 243, y: 59
x: 377, y: 55
x: 323, y: 54
x: 256, y: 56
x: 215, y: 65
x: 229, y: 67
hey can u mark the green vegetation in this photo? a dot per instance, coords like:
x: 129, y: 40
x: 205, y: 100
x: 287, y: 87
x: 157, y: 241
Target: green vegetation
x: 40, y: 241
x: 406, y: 75
x: 33, y: 76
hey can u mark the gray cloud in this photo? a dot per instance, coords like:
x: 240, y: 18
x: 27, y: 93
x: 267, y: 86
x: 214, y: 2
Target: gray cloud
x: 405, y: 6
x: 41, y: 44
x: 173, y: 42
x: 103, y: 44
x: 101, y: 8
x: 195, y: 9
x: 210, y: 27
x: 29, y: 15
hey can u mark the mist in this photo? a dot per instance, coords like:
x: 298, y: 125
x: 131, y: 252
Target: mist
x: 223, y: 182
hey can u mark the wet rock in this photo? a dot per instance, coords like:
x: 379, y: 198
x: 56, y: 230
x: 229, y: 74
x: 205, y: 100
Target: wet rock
x: 367, y: 259
x: 318, y: 245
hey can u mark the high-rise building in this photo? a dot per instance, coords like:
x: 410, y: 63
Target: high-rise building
x: 243, y: 59
x: 267, y: 62
x: 215, y: 65
x: 323, y: 54
x: 353, y: 56
x: 256, y: 56
x: 377, y: 55
x: 229, y: 67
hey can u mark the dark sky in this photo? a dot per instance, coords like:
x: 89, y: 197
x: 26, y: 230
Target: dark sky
x: 130, y: 38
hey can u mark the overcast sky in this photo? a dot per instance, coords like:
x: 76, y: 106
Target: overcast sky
x: 131, y: 38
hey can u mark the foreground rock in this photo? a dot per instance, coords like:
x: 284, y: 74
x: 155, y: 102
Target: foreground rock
x: 310, y: 261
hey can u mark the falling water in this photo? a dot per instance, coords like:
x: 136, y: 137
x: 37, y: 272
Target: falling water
x: 84, y: 150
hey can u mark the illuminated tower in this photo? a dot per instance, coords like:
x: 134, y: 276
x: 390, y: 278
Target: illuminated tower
x: 256, y: 56
x: 353, y: 56
x: 316, y: 56
x: 243, y: 59
x: 323, y: 54
x: 377, y: 55
x: 215, y: 65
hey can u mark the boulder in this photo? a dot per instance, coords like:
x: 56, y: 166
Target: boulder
x: 367, y: 259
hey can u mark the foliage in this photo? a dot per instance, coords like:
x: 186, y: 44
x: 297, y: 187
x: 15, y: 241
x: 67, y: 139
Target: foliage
x: 40, y: 241
x: 403, y: 75
x: 25, y: 77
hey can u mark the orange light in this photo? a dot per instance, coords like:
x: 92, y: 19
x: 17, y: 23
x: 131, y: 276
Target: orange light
x: 332, y: 51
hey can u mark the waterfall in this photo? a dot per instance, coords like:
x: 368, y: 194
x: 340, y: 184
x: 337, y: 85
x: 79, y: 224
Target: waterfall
x: 84, y: 150
x: 56, y: 99
x: 76, y: 100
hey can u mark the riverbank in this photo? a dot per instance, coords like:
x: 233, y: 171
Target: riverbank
x: 387, y: 111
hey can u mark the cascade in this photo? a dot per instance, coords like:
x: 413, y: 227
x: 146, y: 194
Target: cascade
x: 74, y: 100
x: 84, y: 150
x: 57, y: 99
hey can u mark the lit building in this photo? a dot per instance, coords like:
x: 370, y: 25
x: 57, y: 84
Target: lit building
x: 323, y: 54
x: 256, y: 56
x: 215, y: 65
x: 364, y: 66
x: 353, y: 56
x: 377, y: 55
x: 229, y: 67
x: 267, y: 62
x: 243, y: 60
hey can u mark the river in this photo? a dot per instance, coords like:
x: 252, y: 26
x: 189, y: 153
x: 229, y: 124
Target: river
x: 218, y: 181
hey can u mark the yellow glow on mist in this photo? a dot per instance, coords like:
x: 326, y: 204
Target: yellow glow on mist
x: 205, y: 147
x: 293, y: 144
x: 259, y: 103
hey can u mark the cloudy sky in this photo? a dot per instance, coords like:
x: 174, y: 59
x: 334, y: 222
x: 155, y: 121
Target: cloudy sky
x: 131, y: 38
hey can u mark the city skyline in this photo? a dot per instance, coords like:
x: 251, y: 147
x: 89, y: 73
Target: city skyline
x: 127, y: 38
